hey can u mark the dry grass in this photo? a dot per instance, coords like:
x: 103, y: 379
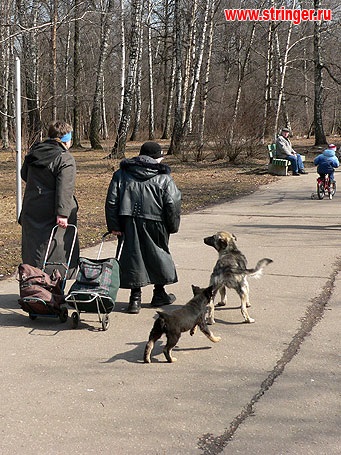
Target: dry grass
x: 202, y: 184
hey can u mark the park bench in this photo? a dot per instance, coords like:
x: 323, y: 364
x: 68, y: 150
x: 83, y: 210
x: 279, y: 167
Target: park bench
x: 278, y: 166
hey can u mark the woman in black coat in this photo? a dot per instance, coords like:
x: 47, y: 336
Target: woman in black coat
x: 49, y: 171
x: 143, y: 203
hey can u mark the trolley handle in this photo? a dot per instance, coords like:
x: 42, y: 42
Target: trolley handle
x: 121, y: 242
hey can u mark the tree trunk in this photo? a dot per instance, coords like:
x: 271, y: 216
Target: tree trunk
x: 206, y: 82
x: 174, y: 147
x: 138, y: 96
x: 5, y: 81
x: 31, y: 69
x: 151, y: 81
x: 121, y: 137
x: 283, y: 68
x: 240, y: 83
x: 96, y: 114
x: 320, y: 138
x: 267, y: 91
x: 76, y: 79
x: 54, y: 60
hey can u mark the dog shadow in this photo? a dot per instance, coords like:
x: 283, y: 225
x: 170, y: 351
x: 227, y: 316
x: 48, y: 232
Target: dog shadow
x: 218, y: 309
x: 135, y: 355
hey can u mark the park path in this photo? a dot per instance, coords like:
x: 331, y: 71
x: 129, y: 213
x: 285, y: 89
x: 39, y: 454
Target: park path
x: 270, y: 388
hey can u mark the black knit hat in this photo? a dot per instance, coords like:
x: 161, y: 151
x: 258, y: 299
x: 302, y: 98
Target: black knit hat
x: 285, y: 130
x: 152, y: 149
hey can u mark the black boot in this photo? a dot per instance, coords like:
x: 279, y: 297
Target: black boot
x: 160, y: 297
x: 134, y: 301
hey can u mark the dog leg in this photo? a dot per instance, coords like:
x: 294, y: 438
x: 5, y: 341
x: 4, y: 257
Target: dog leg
x: 223, y: 296
x: 206, y: 331
x: 193, y: 330
x: 210, y: 312
x: 171, y: 342
x: 154, y: 335
x: 244, y: 297
x: 248, y: 304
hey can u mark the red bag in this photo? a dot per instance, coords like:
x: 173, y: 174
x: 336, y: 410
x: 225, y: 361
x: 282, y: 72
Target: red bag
x: 33, y: 282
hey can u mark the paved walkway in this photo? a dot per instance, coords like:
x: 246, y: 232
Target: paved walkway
x: 270, y: 388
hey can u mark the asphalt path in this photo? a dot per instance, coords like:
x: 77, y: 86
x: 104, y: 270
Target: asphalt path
x: 272, y: 387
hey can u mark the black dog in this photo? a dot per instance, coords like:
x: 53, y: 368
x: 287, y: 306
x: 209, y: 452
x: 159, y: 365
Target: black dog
x: 186, y: 318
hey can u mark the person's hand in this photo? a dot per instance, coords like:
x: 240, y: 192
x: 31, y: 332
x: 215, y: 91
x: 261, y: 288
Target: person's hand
x: 62, y: 221
x: 116, y: 233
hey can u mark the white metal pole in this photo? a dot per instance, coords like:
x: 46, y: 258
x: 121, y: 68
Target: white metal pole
x: 18, y: 133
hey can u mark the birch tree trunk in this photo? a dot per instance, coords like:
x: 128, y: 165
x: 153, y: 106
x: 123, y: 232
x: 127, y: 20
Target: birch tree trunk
x: 96, y: 115
x: 66, y: 114
x: 123, y: 55
x: 28, y: 18
x: 138, y: 100
x: 121, y: 137
x: 151, y: 81
x: 267, y: 91
x: 168, y: 78
x: 196, y: 73
x: 167, y: 129
x: 76, y: 143
x: 177, y: 128
x: 320, y: 138
x: 283, y: 69
x: 53, y: 86
x: 5, y: 47
x: 203, y: 103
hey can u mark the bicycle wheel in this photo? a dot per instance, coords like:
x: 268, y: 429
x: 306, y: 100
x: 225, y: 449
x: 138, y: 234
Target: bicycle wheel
x: 320, y: 190
x: 332, y: 188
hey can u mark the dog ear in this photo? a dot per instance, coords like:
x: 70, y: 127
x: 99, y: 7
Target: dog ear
x: 195, y: 289
x: 234, y: 237
x: 209, y: 292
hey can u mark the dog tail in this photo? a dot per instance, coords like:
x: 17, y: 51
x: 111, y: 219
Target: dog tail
x: 257, y: 272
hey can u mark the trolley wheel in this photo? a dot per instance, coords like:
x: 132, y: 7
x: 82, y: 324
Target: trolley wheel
x: 320, y: 190
x: 63, y: 314
x: 75, y: 320
x: 32, y: 317
x: 105, y: 322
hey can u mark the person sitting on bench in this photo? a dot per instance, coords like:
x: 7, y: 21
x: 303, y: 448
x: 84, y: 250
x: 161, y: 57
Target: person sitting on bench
x: 285, y: 151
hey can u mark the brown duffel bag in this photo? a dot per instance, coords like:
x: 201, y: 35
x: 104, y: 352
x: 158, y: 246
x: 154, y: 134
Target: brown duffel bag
x: 36, y: 284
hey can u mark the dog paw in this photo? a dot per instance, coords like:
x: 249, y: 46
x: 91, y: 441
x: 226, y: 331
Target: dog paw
x: 216, y: 339
x: 172, y: 360
x: 249, y: 321
x: 221, y: 304
x: 210, y: 321
x: 248, y: 304
x: 146, y: 360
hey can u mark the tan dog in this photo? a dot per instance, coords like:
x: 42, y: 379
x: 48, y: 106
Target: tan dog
x: 231, y: 272
x: 178, y: 321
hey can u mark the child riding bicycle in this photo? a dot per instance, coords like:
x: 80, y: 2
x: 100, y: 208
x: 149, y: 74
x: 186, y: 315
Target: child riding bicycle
x: 326, y: 162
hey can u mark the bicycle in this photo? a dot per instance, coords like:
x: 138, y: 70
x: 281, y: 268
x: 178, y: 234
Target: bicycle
x: 325, y: 186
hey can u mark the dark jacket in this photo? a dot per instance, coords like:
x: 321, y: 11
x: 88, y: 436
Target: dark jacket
x: 49, y: 171
x: 144, y: 203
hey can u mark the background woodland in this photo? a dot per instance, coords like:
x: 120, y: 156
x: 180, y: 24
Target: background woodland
x: 123, y: 70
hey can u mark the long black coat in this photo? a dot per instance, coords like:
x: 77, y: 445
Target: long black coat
x: 144, y: 203
x: 49, y: 171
